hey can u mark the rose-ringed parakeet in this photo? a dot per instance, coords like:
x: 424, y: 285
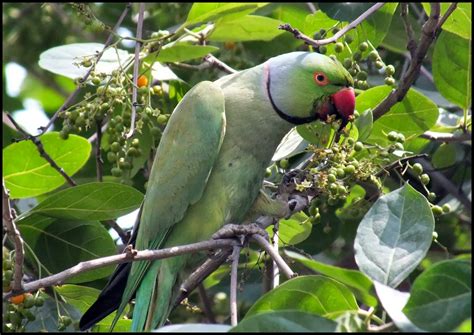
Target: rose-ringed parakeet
x: 210, y: 165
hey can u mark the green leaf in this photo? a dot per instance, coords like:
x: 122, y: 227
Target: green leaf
x: 344, y: 11
x: 375, y: 27
x: 209, y: 11
x: 180, y: 52
x: 92, y: 201
x: 64, y: 59
x: 452, y: 68
x: 395, y: 40
x: 316, y: 21
x: 311, y: 294
x: 61, y: 244
x: 446, y: 155
x: 82, y: 297
x: 460, y: 20
x: 354, y: 279
x: 293, y: 230
x: 292, y: 13
x: 317, y: 133
x: 412, y: 116
x: 441, y: 296
x: 393, y: 302
x: 394, y: 236
x: 291, y: 145
x: 246, y: 28
x: 285, y: 321
x: 27, y: 174
x: 364, y: 124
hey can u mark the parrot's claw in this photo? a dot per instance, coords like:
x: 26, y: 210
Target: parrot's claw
x: 233, y: 230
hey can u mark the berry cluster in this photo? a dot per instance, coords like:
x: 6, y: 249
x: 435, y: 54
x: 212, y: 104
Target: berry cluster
x: 354, y: 62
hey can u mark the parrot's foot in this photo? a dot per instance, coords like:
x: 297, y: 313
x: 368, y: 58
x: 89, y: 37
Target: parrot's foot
x: 234, y: 230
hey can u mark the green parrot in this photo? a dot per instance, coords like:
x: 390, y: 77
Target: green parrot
x: 209, y: 168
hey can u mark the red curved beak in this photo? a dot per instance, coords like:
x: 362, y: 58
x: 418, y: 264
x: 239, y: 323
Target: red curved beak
x: 344, y: 101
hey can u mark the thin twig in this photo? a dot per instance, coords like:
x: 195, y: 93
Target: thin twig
x: 316, y: 43
x: 448, y: 12
x: 136, y: 65
x: 114, y: 225
x: 411, y: 43
x: 37, y: 142
x: 233, y: 286
x: 447, y: 137
x: 84, y: 78
x: 219, y: 64
x: 206, y: 304
x: 311, y: 7
x: 427, y: 38
x: 12, y: 231
x: 284, y: 268
x: 129, y: 256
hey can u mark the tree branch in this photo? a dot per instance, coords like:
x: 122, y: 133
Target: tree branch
x: 128, y: 256
x: 411, y: 44
x: 136, y: 64
x: 316, y: 43
x: 276, y: 256
x: 213, y: 61
x: 206, y: 303
x: 14, y: 234
x: 428, y: 36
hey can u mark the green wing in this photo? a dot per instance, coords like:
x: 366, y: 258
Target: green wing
x: 183, y: 162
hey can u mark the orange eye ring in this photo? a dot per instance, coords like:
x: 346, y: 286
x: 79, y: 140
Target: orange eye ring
x: 321, y: 79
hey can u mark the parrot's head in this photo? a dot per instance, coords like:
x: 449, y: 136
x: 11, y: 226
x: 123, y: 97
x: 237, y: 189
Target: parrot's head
x: 307, y: 86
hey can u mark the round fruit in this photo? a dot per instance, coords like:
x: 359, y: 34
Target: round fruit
x: 339, y: 47
x: 389, y: 81
x: 373, y: 55
x: 418, y: 169
x: 446, y: 208
x: 425, y: 179
x: 331, y: 178
x: 284, y: 163
x: 116, y: 172
x: 432, y: 196
x: 142, y: 81
x: 389, y: 70
x: 115, y: 147
x: 363, y: 46
x: 392, y: 136
x: 358, y: 146
x: 437, y: 210
x: 18, y: 299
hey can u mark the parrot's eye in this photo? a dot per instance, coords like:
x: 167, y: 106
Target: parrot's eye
x: 321, y: 79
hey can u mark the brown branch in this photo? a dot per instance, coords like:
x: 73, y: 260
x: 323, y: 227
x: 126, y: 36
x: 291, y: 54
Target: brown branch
x: 128, y: 256
x: 284, y: 268
x: 213, y: 61
x: 114, y: 225
x: 428, y: 36
x: 73, y: 95
x: 233, y: 286
x: 37, y: 142
x: 448, y: 12
x: 446, y: 137
x: 12, y: 231
x: 136, y: 64
x: 316, y: 43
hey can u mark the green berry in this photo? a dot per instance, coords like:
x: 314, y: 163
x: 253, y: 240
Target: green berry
x: 348, y: 39
x: 333, y: 187
x: 400, y: 138
x: 437, y: 210
x: 73, y: 115
x: 8, y: 275
x: 363, y: 46
x: 417, y: 169
x: 335, y: 30
x: 389, y: 81
x: 392, y: 136
x: 135, y: 143
x: 64, y: 134
x: 357, y: 56
x: 347, y: 63
x: 322, y: 31
x: 80, y: 121
x: 349, y: 169
x: 389, y: 70
x: 30, y: 316
x: 116, y: 172
x: 353, y: 72
x: 268, y: 172
x: 358, y: 146
x: 379, y: 65
x: 339, y: 47
x: 156, y: 132
x: 162, y: 119
x: 399, y: 146
x: 323, y: 49
x: 284, y: 163
x: 86, y: 63
x: 39, y: 301
x: 435, y: 235
x: 341, y: 189
x: 317, y: 36
x: 29, y: 301
x: 340, y: 173
x: 96, y: 81
x: 446, y: 208
x: 115, y: 147
x: 425, y: 179
x: 111, y: 156
x: 362, y: 75
x: 373, y: 55
x: 132, y: 152
x: 431, y: 196
x: 123, y: 164
x: 331, y: 178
